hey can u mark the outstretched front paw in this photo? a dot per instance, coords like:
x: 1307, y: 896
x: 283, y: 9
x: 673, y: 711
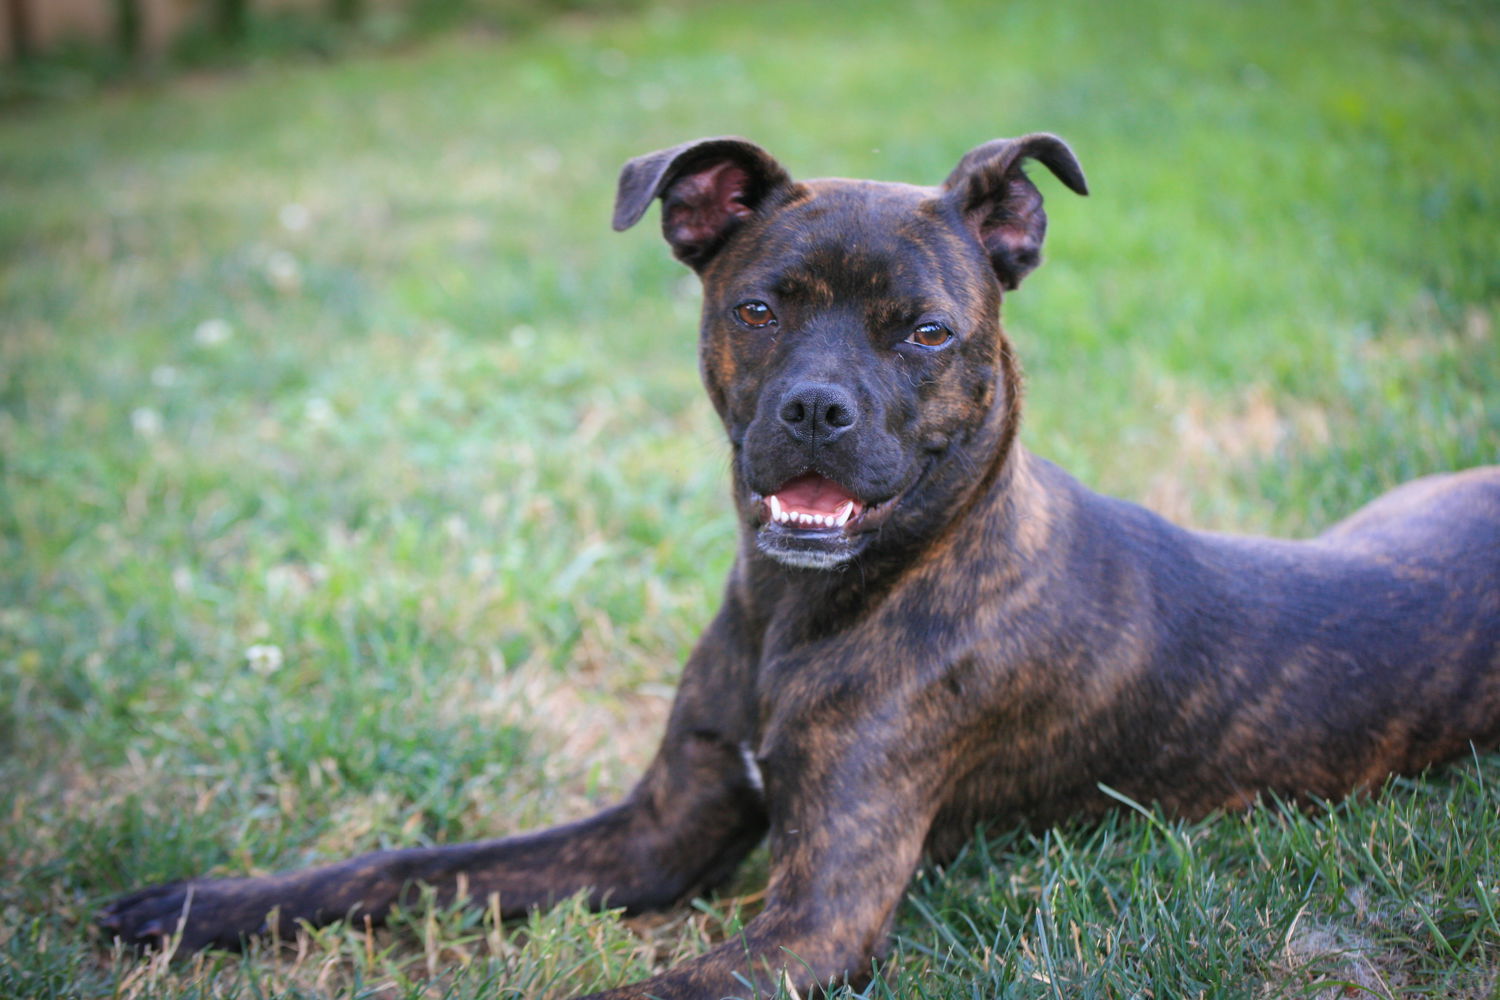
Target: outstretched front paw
x: 207, y: 913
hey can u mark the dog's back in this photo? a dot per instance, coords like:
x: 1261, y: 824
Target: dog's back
x: 1436, y: 519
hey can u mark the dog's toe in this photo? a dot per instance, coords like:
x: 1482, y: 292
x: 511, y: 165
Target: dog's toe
x: 144, y: 918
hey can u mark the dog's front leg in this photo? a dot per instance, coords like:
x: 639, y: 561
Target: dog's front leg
x: 690, y: 820
x: 850, y: 810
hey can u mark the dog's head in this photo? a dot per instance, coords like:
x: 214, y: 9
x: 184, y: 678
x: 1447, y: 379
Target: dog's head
x: 851, y: 339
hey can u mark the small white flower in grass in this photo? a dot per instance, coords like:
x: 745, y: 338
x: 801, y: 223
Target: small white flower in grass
x: 283, y: 272
x: 212, y: 332
x: 164, y: 376
x: 319, y: 412
x: 294, y: 217
x: 264, y: 658
x: 145, y: 421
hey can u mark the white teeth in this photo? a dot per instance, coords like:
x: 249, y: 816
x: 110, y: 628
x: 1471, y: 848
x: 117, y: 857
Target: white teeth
x: 838, y: 519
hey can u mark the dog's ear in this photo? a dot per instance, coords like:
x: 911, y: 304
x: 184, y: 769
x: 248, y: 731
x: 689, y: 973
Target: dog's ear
x: 707, y: 188
x: 1002, y: 206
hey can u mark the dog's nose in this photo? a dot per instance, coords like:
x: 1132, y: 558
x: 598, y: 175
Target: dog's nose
x: 815, y: 412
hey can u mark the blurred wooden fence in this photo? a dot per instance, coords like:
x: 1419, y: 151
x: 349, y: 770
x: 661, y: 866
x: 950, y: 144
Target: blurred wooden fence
x: 138, y: 27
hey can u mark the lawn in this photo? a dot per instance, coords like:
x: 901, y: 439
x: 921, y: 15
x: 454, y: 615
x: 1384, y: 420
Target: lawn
x: 356, y: 488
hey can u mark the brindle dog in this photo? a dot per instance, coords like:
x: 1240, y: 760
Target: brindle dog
x: 929, y: 628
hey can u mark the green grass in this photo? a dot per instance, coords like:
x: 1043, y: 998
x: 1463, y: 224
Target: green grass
x: 356, y: 488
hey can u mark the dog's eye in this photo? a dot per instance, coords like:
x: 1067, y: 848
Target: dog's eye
x: 930, y: 335
x: 755, y: 314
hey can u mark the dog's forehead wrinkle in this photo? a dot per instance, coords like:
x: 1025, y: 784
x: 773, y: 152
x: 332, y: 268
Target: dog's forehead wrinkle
x: 884, y: 281
x: 807, y: 286
x: 889, y: 246
x: 871, y: 212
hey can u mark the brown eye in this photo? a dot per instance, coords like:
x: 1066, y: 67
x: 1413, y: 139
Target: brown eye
x: 930, y: 335
x: 755, y: 314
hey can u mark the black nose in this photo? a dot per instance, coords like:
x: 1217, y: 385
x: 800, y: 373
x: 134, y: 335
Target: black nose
x: 817, y: 411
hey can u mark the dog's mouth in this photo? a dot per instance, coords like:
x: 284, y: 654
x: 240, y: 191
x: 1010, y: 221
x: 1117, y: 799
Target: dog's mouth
x: 814, y: 522
x: 812, y: 502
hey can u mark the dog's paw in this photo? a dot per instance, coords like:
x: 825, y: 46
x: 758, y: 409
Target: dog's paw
x: 198, y: 913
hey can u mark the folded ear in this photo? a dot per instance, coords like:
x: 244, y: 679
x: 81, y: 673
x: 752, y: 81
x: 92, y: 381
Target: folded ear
x: 707, y: 187
x: 1003, y: 207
